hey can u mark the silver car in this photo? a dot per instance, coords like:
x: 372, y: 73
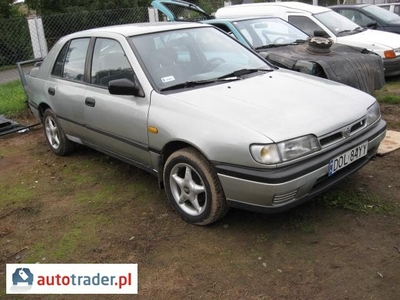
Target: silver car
x: 217, y: 124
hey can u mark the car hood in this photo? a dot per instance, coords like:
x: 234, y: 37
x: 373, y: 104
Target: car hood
x: 282, y: 104
x: 371, y: 39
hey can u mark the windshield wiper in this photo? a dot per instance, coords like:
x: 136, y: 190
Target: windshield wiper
x: 296, y: 42
x: 239, y: 73
x: 228, y: 77
x: 187, y: 84
x: 344, y: 31
x: 358, y: 29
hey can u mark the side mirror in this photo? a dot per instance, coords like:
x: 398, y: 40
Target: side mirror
x: 321, y: 33
x: 125, y: 87
x: 372, y: 25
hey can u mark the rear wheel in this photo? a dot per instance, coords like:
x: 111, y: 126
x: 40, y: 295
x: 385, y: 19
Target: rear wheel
x: 55, y: 136
x: 193, y: 187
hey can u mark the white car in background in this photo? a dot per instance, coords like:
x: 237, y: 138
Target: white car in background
x: 317, y: 20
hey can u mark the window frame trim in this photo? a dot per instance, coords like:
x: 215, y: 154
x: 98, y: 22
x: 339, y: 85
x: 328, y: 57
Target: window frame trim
x: 84, y: 68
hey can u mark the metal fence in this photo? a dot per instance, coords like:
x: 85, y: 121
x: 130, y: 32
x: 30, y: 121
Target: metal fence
x: 24, y: 39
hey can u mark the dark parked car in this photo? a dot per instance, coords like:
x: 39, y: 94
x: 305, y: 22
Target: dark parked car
x: 288, y: 47
x: 370, y: 16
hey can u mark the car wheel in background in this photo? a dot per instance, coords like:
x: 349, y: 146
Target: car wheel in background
x: 55, y: 136
x: 193, y: 187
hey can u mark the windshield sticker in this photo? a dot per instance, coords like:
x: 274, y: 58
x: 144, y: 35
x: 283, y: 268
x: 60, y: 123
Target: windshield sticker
x: 167, y: 79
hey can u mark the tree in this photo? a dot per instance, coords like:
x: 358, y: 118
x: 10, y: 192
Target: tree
x: 46, y: 7
x: 7, y: 10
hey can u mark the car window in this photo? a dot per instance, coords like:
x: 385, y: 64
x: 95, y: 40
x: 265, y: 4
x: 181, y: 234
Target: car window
x: 58, y: 67
x: 382, y: 13
x: 355, y: 16
x: 193, y: 54
x: 338, y: 24
x: 387, y: 7
x: 182, y: 13
x: 305, y: 24
x: 109, y: 63
x: 224, y: 28
x: 262, y: 32
x: 70, y: 63
x: 396, y: 9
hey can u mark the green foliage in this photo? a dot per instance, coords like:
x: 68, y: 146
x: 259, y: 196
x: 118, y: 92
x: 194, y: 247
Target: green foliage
x: 7, y: 10
x: 63, y: 24
x: 390, y: 93
x: 47, y: 7
x: 12, y: 98
x: 389, y: 99
x: 15, y: 43
x: 353, y: 199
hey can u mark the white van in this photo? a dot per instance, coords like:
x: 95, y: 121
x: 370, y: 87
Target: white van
x: 317, y: 20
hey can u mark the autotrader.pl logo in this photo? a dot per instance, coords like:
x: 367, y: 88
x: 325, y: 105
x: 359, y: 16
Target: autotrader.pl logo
x: 71, y: 278
x: 22, y: 280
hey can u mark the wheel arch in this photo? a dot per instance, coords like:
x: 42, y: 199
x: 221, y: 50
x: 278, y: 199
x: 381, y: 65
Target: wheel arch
x: 166, y: 151
x: 42, y: 108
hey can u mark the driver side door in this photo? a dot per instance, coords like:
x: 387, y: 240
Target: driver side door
x: 117, y: 124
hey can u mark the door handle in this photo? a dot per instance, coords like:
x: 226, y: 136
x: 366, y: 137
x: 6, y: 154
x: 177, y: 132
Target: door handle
x: 51, y: 91
x: 90, y: 102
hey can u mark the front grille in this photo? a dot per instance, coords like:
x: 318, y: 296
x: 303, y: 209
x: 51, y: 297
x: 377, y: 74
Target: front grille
x: 331, y: 139
x: 282, y: 198
x: 342, y: 133
x: 357, y: 126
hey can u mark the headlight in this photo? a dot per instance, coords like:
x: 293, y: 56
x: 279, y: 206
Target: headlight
x: 284, y: 151
x: 373, y: 113
x: 307, y: 67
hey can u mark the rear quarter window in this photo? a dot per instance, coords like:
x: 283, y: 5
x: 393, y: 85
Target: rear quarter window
x: 70, y: 63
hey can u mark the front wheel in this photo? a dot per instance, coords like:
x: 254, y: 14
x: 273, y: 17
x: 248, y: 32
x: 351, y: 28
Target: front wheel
x: 193, y: 188
x: 55, y: 136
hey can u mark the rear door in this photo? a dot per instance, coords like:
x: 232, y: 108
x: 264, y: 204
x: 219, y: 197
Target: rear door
x: 66, y: 89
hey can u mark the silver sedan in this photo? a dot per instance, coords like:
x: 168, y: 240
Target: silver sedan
x: 218, y: 125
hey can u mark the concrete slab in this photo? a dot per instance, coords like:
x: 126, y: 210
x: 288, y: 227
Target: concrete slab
x: 390, y: 143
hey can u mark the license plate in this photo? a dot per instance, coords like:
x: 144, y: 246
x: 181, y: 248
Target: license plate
x: 344, y: 159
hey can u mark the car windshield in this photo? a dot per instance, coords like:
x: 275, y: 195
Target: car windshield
x: 382, y: 14
x: 193, y: 55
x: 338, y: 24
x: 269, y: 31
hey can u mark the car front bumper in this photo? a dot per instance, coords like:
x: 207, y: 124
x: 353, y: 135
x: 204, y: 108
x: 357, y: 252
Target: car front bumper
x: 391, y: 66
x: 276, y: 190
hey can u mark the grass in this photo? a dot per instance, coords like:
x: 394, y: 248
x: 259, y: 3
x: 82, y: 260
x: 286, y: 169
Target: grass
x: 351, y: 199
x: 12, y: 98
x: 9, y: 67
x: 390, y: 93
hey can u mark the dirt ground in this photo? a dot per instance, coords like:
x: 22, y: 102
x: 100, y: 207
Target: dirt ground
x: 89, y: 208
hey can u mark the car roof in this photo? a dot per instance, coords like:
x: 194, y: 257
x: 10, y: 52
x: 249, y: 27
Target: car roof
x: 350, y: 5
x: 230, y: 20
x: 298, y: 6
x: 138, y: 28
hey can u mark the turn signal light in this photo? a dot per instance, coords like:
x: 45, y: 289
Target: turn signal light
x: 390, y: 54
x: 152, y: 129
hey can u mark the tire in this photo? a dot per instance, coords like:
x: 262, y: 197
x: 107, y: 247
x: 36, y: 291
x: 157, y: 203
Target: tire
x: 193, y: 188
x: 55, y: 136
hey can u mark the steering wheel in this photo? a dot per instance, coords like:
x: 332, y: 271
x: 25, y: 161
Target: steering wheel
x: 279, y: 40
x: 212, y: 63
